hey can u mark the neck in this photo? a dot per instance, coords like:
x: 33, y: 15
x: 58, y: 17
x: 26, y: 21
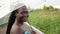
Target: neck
x: 18, y: 23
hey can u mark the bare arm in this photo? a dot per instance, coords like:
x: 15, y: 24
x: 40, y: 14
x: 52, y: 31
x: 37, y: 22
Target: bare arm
x: 34, y: 29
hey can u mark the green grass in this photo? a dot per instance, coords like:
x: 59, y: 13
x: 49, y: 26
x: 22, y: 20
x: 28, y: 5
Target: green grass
x: 46, y: 21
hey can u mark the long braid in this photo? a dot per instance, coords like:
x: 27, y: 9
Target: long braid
x: 11, y: 21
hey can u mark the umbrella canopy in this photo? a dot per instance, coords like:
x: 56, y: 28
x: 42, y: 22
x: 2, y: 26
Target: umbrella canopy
x: 7, y: 6
x: 4, y: 7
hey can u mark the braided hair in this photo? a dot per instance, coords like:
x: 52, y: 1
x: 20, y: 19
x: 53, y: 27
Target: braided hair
x: 11, y: 21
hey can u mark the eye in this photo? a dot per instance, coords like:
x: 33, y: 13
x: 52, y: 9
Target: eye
x: 24, y: 12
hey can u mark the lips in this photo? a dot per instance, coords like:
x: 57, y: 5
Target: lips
x: 24, y: 19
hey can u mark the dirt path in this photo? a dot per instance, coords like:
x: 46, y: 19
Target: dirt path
x: 3, y: 29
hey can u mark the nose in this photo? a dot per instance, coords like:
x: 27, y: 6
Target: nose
x: 26, y: 15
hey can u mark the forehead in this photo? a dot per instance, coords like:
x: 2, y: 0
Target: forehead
x: 23, y: 8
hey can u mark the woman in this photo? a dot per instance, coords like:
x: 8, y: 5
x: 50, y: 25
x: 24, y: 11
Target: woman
x: 16, y: 22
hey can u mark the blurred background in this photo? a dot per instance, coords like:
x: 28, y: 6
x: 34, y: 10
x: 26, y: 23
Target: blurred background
x: 43, y: 14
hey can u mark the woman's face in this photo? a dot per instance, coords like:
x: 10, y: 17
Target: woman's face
x: 22, y: 14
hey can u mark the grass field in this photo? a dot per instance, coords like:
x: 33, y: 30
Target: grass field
x: 46, y: 21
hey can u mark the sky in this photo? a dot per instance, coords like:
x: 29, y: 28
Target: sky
x: 39, y: 3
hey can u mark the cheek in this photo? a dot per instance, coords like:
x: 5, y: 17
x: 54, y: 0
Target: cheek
x: 19, y: 16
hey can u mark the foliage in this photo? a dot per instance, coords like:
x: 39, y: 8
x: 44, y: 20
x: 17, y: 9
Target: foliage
x: 46, y: 21
x: 50, y: 8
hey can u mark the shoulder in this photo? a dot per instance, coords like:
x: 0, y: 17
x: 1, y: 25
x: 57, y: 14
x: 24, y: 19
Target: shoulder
x: 28, y: 26
x: 14, y: 29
